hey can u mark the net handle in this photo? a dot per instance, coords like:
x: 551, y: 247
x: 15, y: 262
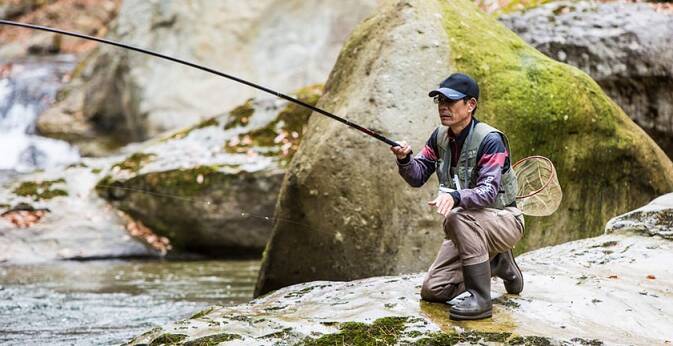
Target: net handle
x: 551, y: 176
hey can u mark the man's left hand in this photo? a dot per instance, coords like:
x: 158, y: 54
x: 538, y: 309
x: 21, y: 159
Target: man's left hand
x: 443, y: 203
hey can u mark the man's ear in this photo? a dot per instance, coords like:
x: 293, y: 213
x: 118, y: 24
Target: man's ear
x: 473, y: 104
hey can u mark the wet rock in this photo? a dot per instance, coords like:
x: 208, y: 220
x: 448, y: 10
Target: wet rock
x: 554, y: 308
x: 358, y: 218
x: 655, y: 218
x: 126, y: 97
x: 74, y: 224
x: 624, y: 46
x: 212, y: 187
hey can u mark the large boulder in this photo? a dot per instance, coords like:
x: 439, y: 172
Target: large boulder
x: 354, y: 216
x: 128, y: 96
x: 619, y: 284
x: 57, y: 215
x: 212, y: 187
x: 625, y: 47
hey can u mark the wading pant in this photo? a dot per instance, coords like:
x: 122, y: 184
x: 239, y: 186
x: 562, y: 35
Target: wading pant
x: 472, y: 236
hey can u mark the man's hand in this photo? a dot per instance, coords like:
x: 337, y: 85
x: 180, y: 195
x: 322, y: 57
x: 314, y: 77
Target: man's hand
x: 401, y: 151
x: 443, y: 203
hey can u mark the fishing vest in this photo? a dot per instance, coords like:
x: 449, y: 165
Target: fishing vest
x: 466, y: 167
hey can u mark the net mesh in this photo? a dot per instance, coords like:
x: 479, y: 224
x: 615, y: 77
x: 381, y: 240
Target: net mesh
x: 539, y: 190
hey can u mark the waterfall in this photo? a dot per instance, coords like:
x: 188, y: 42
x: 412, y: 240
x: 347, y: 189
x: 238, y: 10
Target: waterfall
x: 27, y: 88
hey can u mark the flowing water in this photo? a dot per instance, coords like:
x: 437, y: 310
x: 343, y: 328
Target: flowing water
x: 109, y: 301
x: 27, y: 87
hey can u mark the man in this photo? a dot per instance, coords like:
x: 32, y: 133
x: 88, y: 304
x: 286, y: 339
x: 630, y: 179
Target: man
x: 476, y: 197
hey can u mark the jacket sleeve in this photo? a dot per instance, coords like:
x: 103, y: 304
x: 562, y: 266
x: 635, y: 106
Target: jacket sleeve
x: 416, y: 170
x: 492, y: 161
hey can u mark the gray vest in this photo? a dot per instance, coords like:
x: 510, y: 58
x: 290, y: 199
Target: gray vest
x: 466, y: 169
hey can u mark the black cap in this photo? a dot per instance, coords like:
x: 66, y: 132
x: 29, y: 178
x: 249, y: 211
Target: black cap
x: 457, y: 87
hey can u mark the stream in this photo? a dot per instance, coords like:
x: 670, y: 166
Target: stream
x: 107, y: 302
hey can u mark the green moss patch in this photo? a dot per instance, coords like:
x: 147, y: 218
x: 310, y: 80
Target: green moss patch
x: 183, y: 133
x: 281, y: 137
x: 240, y: 116
x: 470, y: 337
x: 520, y: 5
x: 384, y: 331
x: 212, y: 340
x: 134, y: 162
x: 202, y: 313
x: 168, y: 339
x: 40, y: 190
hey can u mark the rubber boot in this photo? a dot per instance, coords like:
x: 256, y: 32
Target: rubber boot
x: 478, y: 305
x: 504, y: 267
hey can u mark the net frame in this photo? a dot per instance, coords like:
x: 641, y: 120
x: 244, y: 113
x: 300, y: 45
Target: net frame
x: 551, y: 178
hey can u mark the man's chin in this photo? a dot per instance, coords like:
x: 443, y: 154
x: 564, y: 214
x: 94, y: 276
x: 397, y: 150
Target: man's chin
x: 447, y: 122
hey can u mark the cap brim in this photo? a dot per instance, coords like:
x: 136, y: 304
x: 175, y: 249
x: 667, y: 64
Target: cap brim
x: 449, y: 93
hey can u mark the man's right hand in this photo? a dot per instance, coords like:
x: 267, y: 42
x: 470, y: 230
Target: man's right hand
x: 401, y: 151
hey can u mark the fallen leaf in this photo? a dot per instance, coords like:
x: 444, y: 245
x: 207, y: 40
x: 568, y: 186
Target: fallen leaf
x: 651, y: 277
x: 613, y: 277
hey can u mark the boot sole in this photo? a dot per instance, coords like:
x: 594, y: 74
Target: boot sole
x: 520, y: 274
x: 458, y: 317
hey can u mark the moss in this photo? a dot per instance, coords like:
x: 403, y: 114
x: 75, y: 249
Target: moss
x: 184, y: 132
x: 384, y: 331
x: 289, y: 124
x: 605, y: 164
x: 135, y: 162
x: 202, y: 313
x: 469, y: 337
x: 168, y: 339
x: 282, y: 334
x: 591, y: 342
x: 520, y: 5
x: 40, y: 190
x: 177, y: 182
x: 212, y: 340
x: 96, y: 170
x: 240, y: 116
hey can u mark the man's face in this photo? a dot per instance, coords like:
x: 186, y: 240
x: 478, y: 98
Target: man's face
x: 454, y: 112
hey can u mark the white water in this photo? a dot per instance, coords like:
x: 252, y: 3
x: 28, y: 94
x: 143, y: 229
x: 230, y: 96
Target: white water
x: 26, y: 89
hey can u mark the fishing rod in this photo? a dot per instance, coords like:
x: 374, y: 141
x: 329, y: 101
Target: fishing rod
x: 351, y: 124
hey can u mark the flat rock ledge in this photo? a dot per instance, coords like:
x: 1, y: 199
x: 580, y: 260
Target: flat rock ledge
x: 611, y: 289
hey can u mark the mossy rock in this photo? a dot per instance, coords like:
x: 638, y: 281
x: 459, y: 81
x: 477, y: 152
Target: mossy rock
x: 205, y: 188
x: 606, y: 165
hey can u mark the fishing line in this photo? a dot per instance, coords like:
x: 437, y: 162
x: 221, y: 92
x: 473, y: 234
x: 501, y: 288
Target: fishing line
x: 367, y: 131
